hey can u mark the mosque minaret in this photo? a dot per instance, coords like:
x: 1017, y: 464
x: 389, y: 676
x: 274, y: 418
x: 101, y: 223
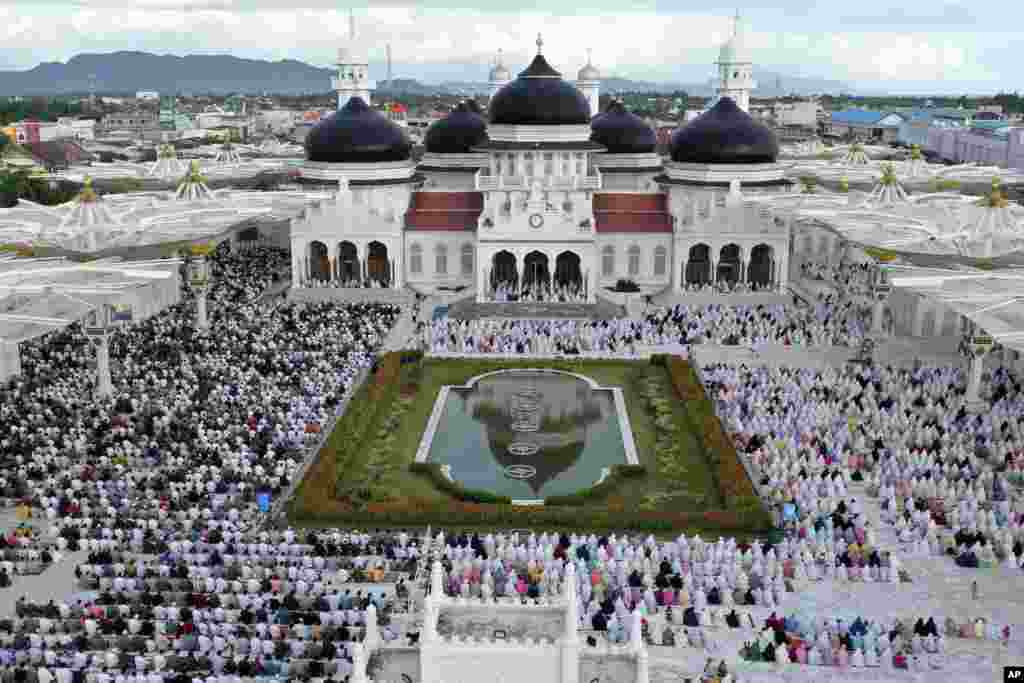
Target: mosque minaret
x: 735, y: 69
x: 500, y: 75
x: 353, y: 70
x: 588, y: 81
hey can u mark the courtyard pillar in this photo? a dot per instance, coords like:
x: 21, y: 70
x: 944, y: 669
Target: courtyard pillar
x: 975, y: 347
x: 918, y: 325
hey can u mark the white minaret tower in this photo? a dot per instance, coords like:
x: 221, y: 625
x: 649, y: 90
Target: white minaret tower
x: 353, y: 70
x: 588, y: 80
x: 735, y: 69
x: 500, y: 75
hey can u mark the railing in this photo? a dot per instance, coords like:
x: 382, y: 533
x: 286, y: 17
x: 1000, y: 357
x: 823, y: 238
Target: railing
x: 486, y: 183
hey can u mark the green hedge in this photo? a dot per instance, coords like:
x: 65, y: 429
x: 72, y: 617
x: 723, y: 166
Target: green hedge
x: 432, y: 471
x: 598, y: 491
x: 454, y: 514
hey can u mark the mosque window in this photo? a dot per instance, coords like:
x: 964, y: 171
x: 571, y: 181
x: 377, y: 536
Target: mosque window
x: 467, y: 259
x: 441, y: 259
x: 528, y: 163
x: 416, y: 259
x: 634, y: 260
x: 660, y: 258
x: 608, y: 261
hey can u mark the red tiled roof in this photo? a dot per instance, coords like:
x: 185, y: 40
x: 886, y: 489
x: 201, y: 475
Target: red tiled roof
x: 621, y: 212
x: 444, y: 211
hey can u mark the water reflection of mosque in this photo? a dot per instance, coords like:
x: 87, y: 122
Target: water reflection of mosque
x: 564, y: 408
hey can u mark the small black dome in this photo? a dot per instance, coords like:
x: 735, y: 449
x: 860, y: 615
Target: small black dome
x: 458, y: 132
x: 622, y: 132
x: 725, y: 134
x: 357, y: 134
x: 539, y: 97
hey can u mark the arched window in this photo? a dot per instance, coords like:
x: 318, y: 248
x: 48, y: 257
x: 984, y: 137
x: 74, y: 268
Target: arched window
x: 608, y: 261
x: 467, y: 259
x: 634, y: 260
x: 660, y: 259
x: 441, y: 259
x: 416, y: 259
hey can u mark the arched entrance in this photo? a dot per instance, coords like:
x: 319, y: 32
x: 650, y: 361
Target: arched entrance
x: 535, y: 270
x: 567, y: 271
x: 378, y: 269
x: 729, y: 265
x: 503, y: 270
x: 698, y: 266
x: 348, y: 262
x: 319, y: 264
x: 759, y: 272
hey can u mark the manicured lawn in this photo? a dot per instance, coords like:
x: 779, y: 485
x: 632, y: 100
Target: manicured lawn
x: 681, y: 482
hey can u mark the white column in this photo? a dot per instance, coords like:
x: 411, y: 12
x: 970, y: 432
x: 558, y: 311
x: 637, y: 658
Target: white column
x: 202, y: 319
x: 372, y: 635
x: 10, y: 360
x: 358, y: 664
x: 104, y: 384
x: 918, y: 326
x: 878, y: 317
x: 940, y: 320
x: 482, y: 265
x: 974, y: 371
x: 592, y: 285
x: 642, y: 667
x: 570, y: 639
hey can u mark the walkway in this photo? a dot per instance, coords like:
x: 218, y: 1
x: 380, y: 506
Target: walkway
x: 471, y: 310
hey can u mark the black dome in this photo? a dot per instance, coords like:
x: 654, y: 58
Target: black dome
x: 725, y: 134
x: 458, y: 132
x: 539, y: 97
x: 622, y: 132
x: 357, y: 134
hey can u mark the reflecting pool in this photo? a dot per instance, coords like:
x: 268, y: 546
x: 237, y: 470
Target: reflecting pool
x: 528, y: 434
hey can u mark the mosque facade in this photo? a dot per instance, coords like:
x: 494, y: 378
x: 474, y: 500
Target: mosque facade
x: 541, y: 197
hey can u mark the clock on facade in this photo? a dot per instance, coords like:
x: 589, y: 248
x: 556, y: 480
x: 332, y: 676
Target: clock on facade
x: 536, y: 220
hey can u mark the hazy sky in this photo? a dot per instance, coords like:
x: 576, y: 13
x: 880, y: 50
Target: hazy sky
x: 922, y: 46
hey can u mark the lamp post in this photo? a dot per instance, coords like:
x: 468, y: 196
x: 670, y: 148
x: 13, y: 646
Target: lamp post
x: 975, y: 347
x: 199, y: 281
x: 98, y: 326
x: 880, y: 290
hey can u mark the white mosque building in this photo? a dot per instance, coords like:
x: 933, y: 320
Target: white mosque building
x: 542, y: 196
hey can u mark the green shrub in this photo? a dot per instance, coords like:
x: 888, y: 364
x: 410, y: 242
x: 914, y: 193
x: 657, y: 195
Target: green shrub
x: 598, y: 491
x: 432, y: 471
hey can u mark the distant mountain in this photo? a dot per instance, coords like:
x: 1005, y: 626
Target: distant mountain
x: 129, y: 72
x: 133, y: 71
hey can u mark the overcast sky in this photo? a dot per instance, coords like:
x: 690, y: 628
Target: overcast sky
x: 923, y: 46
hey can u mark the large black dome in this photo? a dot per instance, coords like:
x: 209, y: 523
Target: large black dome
x: 458, y: 132
x: 622, y: 132
x: 725, y: 134
x: 539, y: 97
x: 357, y: 134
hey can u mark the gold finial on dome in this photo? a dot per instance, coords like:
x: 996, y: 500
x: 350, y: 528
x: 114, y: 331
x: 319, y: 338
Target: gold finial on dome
x: 87, y: 194
x: 995, y: 199
x: 540, y: 44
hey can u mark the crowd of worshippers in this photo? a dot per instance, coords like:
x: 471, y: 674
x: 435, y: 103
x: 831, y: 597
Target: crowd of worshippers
x: 823, y: 324
x: 242, y: 277
x: 674, y: 584
x: 267, y: 603
x: 198, y: 422
x: 849, y: 279
x: 726, y: 287
x: 538, y: 292
x: 938, y: 469
x: 346, y: 283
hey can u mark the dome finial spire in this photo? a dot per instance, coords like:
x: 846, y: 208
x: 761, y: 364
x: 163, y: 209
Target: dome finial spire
x: 736, y: 23
x: 351, y: 24
x: 590, y: 56
x: 540, y: 44
x: 501, y: 56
